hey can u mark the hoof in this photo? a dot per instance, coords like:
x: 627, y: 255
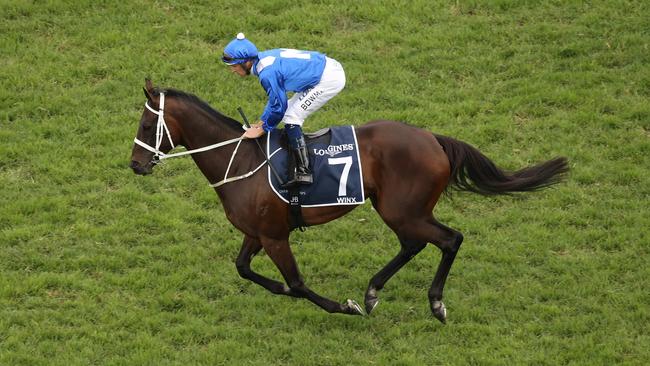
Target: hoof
x: 439, y: 311
x: 353, y: 308
x: 371, y: 304
x: 286, y: 290
x: 371, y: 300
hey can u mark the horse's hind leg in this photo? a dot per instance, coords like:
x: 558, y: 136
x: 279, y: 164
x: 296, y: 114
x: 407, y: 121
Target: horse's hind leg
x: 449, y: 241
x: 408, y: 250
x: 250, y: 247
x: 413, y: 234
x: 280, y: 252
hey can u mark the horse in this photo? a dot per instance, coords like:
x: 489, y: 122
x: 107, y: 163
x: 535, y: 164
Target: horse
x: 405, y: 171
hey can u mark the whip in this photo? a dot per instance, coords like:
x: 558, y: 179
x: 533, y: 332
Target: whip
x: 268, y: 161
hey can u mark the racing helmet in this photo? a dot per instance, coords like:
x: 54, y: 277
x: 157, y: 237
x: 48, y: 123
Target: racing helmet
x: 239, y: 50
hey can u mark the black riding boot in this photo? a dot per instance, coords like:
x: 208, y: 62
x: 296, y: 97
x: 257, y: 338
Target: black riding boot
x: 301, y: 174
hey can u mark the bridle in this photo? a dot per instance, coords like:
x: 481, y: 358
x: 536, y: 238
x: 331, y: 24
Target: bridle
x: 161, y: 127
x: 162, y: 130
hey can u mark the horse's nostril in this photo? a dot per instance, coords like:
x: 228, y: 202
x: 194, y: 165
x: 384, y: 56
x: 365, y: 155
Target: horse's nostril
x: 140, y: 169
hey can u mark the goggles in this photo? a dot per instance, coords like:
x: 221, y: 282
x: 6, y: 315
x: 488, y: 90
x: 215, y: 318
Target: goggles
x: 232, y: 61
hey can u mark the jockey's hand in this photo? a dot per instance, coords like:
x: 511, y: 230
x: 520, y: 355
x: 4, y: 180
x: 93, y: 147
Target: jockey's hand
x: 254, y: 132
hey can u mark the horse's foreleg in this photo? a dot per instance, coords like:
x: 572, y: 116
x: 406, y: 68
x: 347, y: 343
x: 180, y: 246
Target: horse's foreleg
x: 280, y: 252
x: 449, y: 241
x: 250, y: 247
x: 409, y: 250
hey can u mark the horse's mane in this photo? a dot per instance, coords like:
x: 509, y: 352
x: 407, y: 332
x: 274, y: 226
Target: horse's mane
x: 191, y: 98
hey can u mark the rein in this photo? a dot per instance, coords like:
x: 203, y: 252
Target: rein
x: 162, y: 130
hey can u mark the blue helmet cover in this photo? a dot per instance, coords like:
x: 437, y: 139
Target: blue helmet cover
x: 239, y: 50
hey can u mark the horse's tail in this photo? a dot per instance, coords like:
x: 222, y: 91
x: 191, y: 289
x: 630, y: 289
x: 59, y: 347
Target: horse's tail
x: 472, y: 171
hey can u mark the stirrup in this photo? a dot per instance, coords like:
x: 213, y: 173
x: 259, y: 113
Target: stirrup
x: 304, y: 178
x: 299, y: 179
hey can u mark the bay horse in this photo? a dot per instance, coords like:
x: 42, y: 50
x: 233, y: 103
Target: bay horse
x: 405, y: 171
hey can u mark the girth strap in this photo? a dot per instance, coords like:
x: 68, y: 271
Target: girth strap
x: 295, y: 209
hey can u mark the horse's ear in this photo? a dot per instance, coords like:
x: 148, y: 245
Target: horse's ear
x: 148, y: 89
x: 148, y: 95
x: 148, y: 85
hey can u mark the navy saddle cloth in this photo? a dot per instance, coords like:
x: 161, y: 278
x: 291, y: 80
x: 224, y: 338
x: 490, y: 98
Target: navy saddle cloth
x: 335, y: 164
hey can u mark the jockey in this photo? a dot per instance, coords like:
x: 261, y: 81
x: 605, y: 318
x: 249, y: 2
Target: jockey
x: 313, y: 77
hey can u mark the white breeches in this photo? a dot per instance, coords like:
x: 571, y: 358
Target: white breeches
x: 302, y: 104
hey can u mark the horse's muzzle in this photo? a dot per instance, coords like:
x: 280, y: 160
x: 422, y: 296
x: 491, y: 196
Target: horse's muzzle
x: 140, y: 169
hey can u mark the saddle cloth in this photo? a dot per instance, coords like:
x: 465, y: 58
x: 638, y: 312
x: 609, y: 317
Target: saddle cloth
x: 335, y: 164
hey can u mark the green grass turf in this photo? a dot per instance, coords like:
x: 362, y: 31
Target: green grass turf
x: 99, y: 266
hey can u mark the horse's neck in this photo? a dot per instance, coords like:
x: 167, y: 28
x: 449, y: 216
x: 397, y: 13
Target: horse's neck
x: 201, y: 129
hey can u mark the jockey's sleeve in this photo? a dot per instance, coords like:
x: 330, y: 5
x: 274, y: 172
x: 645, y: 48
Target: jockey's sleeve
x: 277, y: 104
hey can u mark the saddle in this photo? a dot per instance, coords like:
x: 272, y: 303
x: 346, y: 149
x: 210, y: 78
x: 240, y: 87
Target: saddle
x: 313, y: 136
x: 322, y: 136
